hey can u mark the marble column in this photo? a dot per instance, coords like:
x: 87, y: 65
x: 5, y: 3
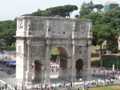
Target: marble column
x: 29, y: 73
x: 47, y: 57
x: 73, y: 76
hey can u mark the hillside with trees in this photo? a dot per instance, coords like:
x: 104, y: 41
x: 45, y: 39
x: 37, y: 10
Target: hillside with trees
x: 106, y: 23
x: 7, y: 35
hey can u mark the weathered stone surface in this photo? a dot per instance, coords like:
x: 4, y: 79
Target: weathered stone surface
x: 36, y: 36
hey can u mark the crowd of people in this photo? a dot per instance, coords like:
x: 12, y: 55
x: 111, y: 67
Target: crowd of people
x: 106, y: 73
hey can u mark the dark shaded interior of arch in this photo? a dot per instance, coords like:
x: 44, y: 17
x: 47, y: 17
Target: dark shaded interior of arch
x: 38, y: 65
x: 79, y: 67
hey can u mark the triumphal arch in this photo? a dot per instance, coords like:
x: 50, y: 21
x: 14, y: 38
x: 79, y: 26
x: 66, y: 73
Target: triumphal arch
x: 52, y: 48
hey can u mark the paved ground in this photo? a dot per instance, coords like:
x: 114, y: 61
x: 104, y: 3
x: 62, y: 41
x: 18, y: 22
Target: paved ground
x: 7, y: 74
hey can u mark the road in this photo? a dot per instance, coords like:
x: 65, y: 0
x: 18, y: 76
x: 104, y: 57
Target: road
x: 7, y: 74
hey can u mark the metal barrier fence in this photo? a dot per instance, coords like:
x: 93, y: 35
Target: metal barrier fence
x: 5, y: 86
x: 36, y: 85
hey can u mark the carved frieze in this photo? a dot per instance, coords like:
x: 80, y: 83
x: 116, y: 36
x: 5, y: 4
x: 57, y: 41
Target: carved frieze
x: 20, y: 24
x: 29, y: 25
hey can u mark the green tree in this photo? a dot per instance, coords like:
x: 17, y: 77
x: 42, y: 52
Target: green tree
x: 7, y: 33
x: 61, y: 10
x: 106, y: 25
x: 86, y: 9
x: 40, y: 13
x: 112, y: 18
x: 58, y: 10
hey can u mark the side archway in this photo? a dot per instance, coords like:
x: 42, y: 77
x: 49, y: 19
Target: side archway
x: 79, y: 68
x: 37, y: 67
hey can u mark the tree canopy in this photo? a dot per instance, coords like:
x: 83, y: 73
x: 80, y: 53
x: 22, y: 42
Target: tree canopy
x: 58, y: 10
x: 7, y: 33
x: 106, y: 24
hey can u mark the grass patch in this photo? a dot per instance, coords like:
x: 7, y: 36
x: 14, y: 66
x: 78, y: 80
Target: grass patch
x: 106, y: 88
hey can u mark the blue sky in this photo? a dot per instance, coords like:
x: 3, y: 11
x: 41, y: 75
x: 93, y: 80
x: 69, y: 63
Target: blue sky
x: 9, y: 9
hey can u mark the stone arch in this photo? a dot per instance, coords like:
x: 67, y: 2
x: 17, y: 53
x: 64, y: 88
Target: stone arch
x: 79, y: 68
x: 37, y: 67
x: 59, y: 55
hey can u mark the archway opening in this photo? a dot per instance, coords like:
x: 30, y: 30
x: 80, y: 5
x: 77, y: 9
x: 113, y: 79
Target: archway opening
x: 58, y: 61
x: 37, y: 66
x: 79, y: 67
x: 59, y: 56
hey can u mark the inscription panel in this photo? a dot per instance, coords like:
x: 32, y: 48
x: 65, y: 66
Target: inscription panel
x: 37, y: 51
x: 60, y: 28
x: 38, y: 25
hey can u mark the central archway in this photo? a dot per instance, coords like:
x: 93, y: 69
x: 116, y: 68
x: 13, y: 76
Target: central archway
x: 58, y: 60
x: 59, y: 56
